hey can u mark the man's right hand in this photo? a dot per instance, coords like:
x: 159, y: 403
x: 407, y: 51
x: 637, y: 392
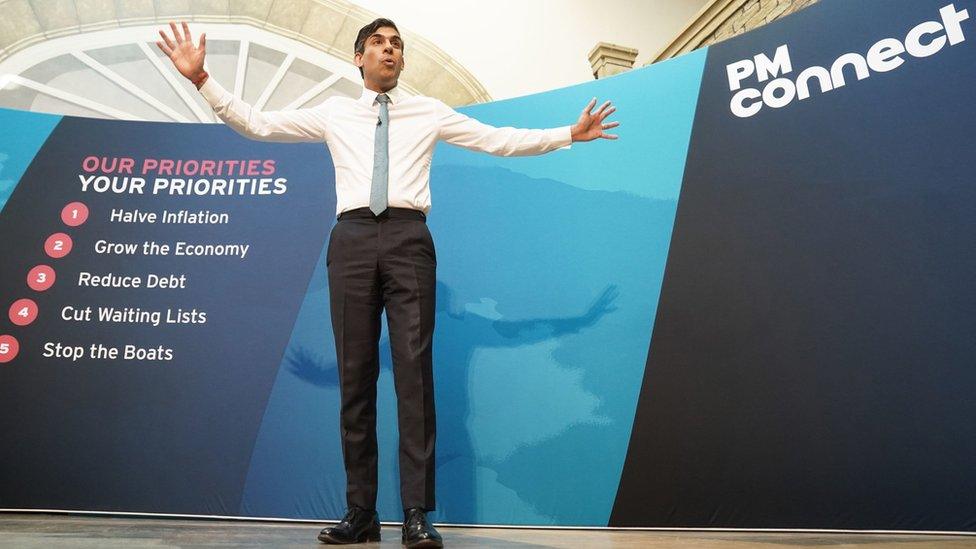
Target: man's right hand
x: 187, y: 58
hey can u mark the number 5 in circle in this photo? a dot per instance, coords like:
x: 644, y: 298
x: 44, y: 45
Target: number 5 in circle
x: 9, y: 347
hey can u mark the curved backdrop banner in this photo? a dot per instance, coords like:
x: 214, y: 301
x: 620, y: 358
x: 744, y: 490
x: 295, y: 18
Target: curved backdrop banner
x: 753, y: 310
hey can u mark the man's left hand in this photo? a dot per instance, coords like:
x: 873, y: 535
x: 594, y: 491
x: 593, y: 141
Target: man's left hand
x: 591, y: 125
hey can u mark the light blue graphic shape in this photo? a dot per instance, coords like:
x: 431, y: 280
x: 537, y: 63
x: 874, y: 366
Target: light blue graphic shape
x: 542, y: 328
x: 23, y: 133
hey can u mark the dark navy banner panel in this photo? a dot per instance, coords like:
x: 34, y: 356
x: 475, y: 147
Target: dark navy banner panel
x: 145, y: 356
x: 812, y: 361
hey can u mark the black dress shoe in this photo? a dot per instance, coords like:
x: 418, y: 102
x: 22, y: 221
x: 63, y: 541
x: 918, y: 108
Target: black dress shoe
x: 358, y: 526
x: 417, y: 532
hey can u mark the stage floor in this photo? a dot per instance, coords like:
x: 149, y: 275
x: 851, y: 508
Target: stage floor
x: 30, y: 530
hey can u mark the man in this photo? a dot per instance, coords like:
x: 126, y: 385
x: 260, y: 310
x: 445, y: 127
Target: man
x: 380, y: 253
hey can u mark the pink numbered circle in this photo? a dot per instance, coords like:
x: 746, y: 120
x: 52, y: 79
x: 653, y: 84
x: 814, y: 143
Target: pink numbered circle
x: 74, y: 214
x: 9, y: 347
x: 57, y: 245
x: 23, y: 312
x: 40, y: 278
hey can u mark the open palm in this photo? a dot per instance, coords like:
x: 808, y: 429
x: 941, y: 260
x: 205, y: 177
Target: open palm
x: 591, y: 124
x: 187, y: 58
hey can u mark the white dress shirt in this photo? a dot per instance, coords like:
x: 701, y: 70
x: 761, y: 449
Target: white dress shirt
x: 348, y: 126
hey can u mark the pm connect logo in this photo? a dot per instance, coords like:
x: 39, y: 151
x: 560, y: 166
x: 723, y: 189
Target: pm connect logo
x: 924, y: 40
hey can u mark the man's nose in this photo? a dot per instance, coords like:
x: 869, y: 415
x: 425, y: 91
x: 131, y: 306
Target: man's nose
x: 388, y: 48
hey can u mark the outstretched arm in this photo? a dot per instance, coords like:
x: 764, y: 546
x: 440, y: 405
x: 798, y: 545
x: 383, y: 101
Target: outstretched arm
x: 285, y: 126
x: 464, y: 131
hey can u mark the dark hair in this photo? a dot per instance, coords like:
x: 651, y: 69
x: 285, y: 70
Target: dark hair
x: 367, y: 31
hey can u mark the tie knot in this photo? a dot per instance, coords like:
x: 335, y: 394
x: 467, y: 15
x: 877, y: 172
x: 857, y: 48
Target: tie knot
x: 383, y: 98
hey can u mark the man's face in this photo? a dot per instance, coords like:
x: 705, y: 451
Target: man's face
x: 382, y: 58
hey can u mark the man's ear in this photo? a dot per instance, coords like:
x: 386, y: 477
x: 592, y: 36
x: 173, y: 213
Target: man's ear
x: 358, y: 59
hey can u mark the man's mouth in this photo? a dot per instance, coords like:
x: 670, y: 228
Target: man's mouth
x: 389, y: 62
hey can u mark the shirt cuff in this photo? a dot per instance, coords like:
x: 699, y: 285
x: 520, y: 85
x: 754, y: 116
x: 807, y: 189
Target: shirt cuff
x: 562, y: 138
x: 212, y: 91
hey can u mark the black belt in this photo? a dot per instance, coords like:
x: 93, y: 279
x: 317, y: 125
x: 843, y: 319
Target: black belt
x: 392, y: 213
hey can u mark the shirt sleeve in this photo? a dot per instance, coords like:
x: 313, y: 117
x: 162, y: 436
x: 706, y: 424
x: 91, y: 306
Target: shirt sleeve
x: 292, y: 126
x: 464, y: 131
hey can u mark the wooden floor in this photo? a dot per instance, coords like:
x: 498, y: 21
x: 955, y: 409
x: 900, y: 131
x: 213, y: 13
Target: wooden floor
x: 31, y: 530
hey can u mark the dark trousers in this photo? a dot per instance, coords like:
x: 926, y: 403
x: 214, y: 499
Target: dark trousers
x: 376, y: 262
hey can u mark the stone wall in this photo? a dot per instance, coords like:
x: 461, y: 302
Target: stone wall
x: 754, y: 13
x: 721, y: 19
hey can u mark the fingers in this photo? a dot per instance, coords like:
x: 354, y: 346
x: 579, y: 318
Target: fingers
x: 176, y: 34
x: 589, y: 106
x: 609, y: 125
x: 606, y: 113
x: 166, y: 49
x: 605, y: 110
x: 169, y: 43
x: 608, y: 136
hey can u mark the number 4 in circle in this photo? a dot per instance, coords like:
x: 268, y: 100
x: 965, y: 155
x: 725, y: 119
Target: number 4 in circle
x: 23, y: 312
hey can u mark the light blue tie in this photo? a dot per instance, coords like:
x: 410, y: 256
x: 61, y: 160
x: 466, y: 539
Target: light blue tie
x: 381, y: 158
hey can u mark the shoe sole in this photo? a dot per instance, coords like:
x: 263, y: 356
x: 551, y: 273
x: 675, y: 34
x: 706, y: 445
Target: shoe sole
x: 426, y: 543
x: 365, y: 538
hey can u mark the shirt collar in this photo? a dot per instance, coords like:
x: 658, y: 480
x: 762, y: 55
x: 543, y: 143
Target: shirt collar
x: 368, y: 96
